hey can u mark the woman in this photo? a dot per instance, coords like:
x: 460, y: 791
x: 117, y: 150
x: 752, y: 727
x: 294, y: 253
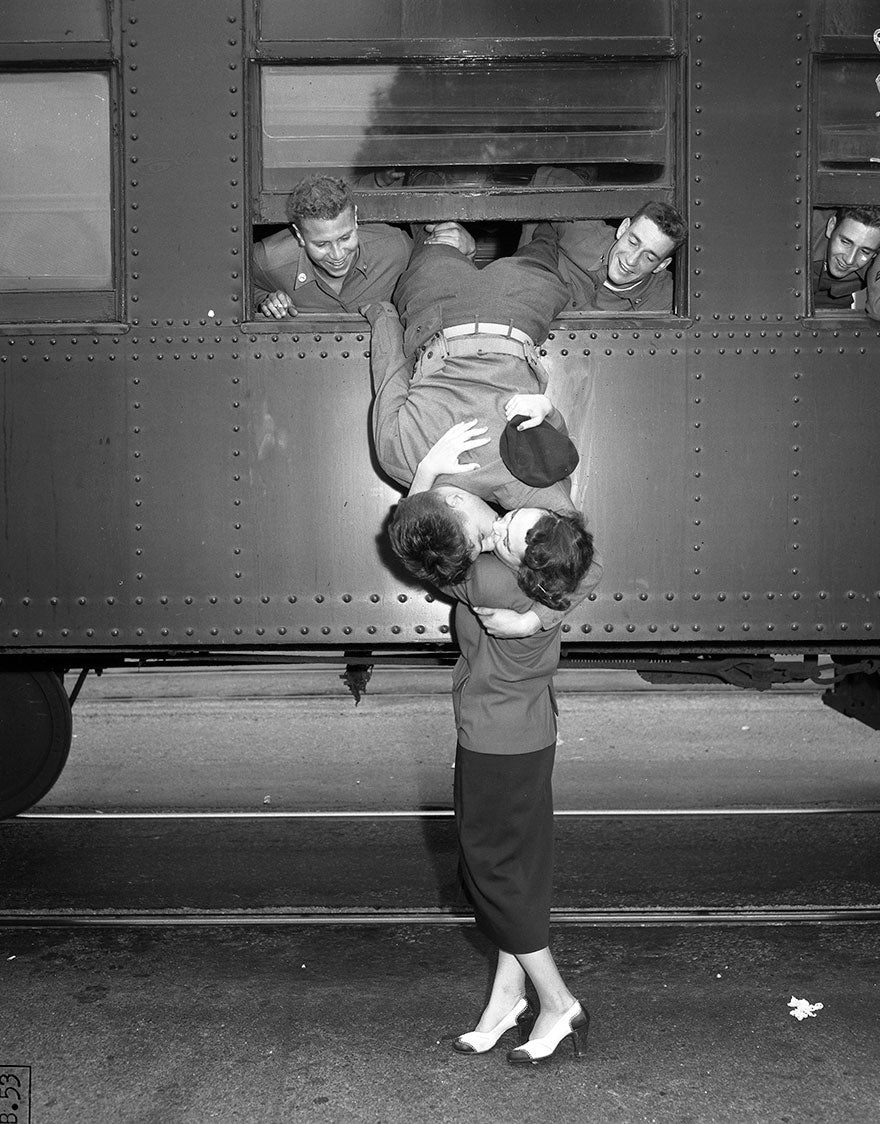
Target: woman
x: 505, y: 714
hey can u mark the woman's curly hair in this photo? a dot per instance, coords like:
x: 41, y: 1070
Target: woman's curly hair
x: 559, y: 551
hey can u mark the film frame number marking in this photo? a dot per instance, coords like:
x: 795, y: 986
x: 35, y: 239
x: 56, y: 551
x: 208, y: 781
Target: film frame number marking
x: 15, y: 1094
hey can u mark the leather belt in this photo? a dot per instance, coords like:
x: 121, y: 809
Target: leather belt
x: 497, y: 339
x: 481, y: 329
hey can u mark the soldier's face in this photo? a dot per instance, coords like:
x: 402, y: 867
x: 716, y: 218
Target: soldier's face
x: 331, y: 244
x: 641, y: 248
x: 851, y: 246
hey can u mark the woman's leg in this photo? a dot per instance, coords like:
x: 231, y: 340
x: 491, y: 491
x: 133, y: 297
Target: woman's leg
x: 508, y: 986
x: 553, y: 994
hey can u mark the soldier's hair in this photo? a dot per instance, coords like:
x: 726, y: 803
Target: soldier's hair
x: 666, y: 219
x: 866, y: 213
x: 318, y: 197
x: 428, y: 537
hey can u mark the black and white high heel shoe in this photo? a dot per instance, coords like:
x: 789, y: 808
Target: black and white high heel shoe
x: 481, y: 1041
x: 574, y: 1024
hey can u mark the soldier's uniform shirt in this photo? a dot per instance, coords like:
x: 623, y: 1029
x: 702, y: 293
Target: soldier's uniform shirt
x: 280, y: 262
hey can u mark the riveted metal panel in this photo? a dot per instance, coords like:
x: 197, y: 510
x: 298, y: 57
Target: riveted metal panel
x: 182, y: 133
x: 834, y: 480
x: 64, y: 439
x: 747, y: 137
x: 738, y: 536
x: 622, y: 393
x: 191, y: 484
x: 182, y: 487
x: 305, y: 506
x: 240, y: 505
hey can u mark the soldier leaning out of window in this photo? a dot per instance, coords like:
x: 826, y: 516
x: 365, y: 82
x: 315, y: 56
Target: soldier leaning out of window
x: 844, y: 258
x: 608, y: 270
x: 325, y: 262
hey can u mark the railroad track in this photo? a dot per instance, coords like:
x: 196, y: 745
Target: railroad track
x: 622, y: 867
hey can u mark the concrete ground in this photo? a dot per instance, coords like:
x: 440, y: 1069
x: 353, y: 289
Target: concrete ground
x: 342, y: 1025
x: 331, y: 1023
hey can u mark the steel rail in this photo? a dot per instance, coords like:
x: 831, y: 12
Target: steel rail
x: 709, y: 915
x: 442, y: 813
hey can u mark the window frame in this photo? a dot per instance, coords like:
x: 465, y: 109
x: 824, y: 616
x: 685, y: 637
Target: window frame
x: 86, y: 307
x: 499, y: 204
x: 832, y: 188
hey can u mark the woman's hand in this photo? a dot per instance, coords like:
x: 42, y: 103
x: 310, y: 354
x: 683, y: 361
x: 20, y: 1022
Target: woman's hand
x: 535, y: 407
x: 442, y: 458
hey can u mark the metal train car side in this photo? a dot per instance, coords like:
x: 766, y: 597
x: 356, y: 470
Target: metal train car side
x: 183, y: 480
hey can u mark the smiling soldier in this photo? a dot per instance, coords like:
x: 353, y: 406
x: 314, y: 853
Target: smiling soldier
x: 845, y: 259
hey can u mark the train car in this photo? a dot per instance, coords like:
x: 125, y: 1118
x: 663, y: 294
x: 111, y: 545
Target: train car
x: 186, y: 481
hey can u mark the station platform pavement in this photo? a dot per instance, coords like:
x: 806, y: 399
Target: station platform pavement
x: 343, y: 1024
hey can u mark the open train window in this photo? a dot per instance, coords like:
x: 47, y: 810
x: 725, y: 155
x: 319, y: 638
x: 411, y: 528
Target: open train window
x: 55, y: 196
x: 845, y: 237
x: 430, y: 140
x: 847, y: 125
x: 400, y: 132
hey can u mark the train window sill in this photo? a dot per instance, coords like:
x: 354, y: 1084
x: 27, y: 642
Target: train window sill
x: 308, y: 322
x: 838, y: 322
x: 637, y: 321
x: 351, y: 322
x: 63, y: 327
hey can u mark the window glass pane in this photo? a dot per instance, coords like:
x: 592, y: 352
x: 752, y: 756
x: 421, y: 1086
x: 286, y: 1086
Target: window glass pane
x: 55, y: 181
x: 849, y: 17
x: 54, y: 21
x: 421, y: 19
x: 849, y: 128
x: 486, y: 124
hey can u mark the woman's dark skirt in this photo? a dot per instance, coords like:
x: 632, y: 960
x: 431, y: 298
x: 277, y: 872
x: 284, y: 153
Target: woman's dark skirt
x: 504, y: 820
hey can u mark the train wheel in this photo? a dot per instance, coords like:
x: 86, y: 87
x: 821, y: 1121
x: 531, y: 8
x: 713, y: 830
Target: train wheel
x: 35, y: 733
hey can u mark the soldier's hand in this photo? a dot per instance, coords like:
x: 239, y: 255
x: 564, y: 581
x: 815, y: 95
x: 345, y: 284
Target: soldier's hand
x: 508, y: 624
x: 277, y: 305
x: 451, y: 234
x: 535, y: 407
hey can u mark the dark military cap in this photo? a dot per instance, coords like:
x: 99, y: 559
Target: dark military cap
x: 539, y: 456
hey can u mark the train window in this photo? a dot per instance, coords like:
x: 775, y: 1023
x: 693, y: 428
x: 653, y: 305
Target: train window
x: 344, y: 21
x: 848, y: 102
x: 458, y: 125
x: 494, y: 146
x: 844, y: 260
x: 55, y: 21
x: 55, y: 196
